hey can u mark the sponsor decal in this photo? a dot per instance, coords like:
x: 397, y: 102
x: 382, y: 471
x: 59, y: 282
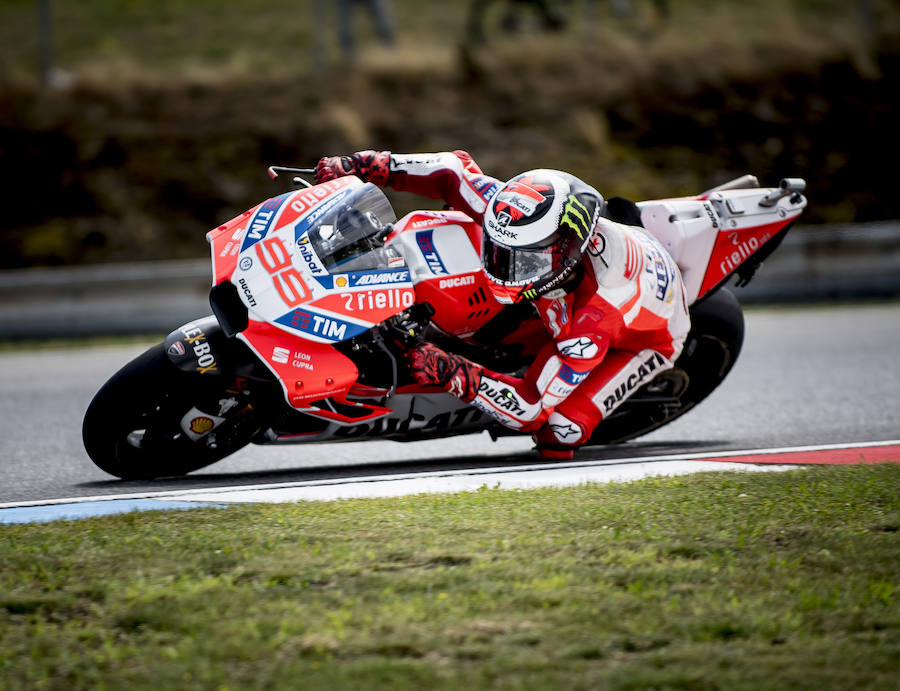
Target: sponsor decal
x: 712, y: 214
x: 575, y: 216
x: 597, y: 246
x: 570, y: 376
x: 239, y: 387
x: 201, y: 425
x: 341, y: 281
x: 485, y: 187
x: 457, y: 281
x: 500, y: 226
x: 388, y: 426
x: 262, y: 220
x: 424, y: 160
x: 378, y: 299
x: 307, y: 199
x: 743, y: 249
x: 247, y: 292
x: 425, y: 241
x: 197, y: 423
x: 525, y: 202
x: 368, y: 278
x: 323, y: 209
x: 632, y: 380
x: 503, y: 398
x: 427, y: 223
x: 307, y: 254
x: 582, y: 347
x: 298, y: 359
x: 660, y: 266
x: 226, y: 404
x: 326, y: 328
x: 564, y: 431
x: 176, y: 349
x: 245, y: 263
x: 196, y: 340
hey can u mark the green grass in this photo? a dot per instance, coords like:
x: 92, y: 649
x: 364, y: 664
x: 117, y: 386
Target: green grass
x: 712, y: 581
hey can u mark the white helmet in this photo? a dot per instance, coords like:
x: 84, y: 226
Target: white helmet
x: 536, y: 229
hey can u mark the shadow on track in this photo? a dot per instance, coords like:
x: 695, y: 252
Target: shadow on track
x: 625, y: 452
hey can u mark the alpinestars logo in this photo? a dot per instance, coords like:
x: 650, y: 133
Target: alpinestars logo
x: 575, y: 215
x: 582, y: 347
x: 562, y: 432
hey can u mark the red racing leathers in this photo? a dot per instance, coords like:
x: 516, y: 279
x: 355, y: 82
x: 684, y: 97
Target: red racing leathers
x: 624, y: 323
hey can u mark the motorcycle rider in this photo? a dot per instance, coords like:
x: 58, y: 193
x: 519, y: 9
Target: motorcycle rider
x: 609, y: 294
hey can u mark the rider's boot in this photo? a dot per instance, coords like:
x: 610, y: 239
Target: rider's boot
x: 549, y: 448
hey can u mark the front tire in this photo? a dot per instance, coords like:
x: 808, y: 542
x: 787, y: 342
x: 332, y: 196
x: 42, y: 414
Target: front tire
x: 132, y: 428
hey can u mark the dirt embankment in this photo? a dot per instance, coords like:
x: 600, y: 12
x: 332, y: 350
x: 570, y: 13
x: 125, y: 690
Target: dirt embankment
x: 102, y: 172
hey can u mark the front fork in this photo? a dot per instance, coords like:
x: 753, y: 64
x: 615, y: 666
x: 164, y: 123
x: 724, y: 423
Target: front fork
x: 220, y: 376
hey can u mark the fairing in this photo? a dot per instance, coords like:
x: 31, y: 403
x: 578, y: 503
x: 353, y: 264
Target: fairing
x: 311, y: 270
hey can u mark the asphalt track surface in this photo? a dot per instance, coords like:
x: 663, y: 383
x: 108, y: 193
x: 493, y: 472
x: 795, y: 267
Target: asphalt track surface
x: 806, y: 377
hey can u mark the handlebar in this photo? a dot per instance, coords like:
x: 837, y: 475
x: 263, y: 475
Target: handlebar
x: 296, y: 172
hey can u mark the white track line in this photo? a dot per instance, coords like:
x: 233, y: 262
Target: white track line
x: 511, y: 477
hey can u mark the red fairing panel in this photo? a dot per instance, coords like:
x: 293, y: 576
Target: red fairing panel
x: 225, y: 245
x: 308, y: 371
x: 734, y: 248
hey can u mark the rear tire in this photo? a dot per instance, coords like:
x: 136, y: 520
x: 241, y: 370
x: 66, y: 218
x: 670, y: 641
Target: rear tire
x: 709, y: 353
x: 132, y: 427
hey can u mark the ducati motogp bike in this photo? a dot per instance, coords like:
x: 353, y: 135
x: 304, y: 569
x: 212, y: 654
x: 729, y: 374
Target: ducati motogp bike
x: 318, y: 293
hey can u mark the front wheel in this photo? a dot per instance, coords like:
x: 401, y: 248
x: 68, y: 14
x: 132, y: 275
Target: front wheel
x: 133, y: 427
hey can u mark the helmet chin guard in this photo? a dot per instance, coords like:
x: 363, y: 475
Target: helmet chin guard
x: 536, y: 229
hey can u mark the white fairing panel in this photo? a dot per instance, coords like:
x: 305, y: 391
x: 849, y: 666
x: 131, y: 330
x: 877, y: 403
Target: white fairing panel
x: 687, y: 229
x: 442, y: 250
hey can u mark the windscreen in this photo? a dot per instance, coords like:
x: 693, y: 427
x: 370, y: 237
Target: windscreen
x: 350, y: 237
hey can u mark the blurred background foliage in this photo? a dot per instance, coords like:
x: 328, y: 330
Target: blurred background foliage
x: 153, y: 121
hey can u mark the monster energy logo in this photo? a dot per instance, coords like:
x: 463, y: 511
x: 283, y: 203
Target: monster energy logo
x: 575, y: 215
x: 530, y: 294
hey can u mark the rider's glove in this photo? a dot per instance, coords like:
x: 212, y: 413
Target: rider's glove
x: 371, y: 166
x: 331, y: 167
x: 432, y: 367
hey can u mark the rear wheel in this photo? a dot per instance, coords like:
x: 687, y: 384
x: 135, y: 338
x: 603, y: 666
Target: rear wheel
x: 132, y: 428
x: 709, y: 353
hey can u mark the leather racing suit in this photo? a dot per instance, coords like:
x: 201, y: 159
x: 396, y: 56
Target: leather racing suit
x: 623, y: 324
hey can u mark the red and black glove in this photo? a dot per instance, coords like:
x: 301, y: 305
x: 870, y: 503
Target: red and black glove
x: 331, y: 167
x: 371, y: 166
x: 433, y: 367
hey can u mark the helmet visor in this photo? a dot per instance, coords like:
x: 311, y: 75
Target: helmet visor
x: 528, y: 273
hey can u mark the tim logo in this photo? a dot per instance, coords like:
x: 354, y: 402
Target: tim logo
x: 262, y: 220
x: 425, y: 241
x: 324, y: 328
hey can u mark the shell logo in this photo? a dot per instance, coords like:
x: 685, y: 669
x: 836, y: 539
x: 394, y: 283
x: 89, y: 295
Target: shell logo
x: 341, y: 281
x: 201, y: 425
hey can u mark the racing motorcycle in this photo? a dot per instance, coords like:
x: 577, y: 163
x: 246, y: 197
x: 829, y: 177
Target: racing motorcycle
x: 317, y: 294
